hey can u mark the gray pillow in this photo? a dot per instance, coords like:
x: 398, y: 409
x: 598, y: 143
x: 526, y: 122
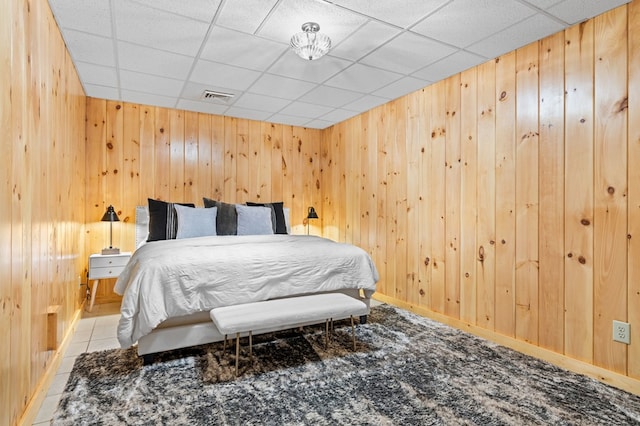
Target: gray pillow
x: 193, y: 222
x: 254, y: 220
x: 227, y: 219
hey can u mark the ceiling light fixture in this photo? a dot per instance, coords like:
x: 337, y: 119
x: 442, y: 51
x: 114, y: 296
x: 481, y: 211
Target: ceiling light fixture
x: 310, y: 44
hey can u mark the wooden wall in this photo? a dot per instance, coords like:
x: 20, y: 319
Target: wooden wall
x: 135, y: 152
x: 508, y: 196
x: 42, y: 110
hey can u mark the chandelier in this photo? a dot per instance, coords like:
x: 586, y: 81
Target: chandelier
x: 310, y: 44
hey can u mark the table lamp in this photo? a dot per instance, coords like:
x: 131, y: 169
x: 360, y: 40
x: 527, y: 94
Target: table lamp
x: 311, y: 215
x: 110, y: 216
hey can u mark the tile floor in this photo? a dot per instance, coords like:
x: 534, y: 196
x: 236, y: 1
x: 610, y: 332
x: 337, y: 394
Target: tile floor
x: 96, y: 331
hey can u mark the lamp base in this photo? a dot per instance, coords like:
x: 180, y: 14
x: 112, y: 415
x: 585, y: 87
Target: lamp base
x: 112, y: 250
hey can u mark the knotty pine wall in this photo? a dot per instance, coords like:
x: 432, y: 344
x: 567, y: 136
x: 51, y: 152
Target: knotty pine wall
x: 508, y: 196
x: 42, y: 111
x: 135, y: 152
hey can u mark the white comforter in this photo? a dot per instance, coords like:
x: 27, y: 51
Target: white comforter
x: 166, y: 279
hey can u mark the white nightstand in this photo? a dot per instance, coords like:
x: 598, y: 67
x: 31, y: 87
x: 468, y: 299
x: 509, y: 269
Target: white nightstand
x: 104, y: 266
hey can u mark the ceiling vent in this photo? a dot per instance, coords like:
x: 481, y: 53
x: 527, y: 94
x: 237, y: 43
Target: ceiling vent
x: 211, y: 95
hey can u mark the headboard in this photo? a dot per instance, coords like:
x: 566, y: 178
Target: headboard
x: 142, y: 223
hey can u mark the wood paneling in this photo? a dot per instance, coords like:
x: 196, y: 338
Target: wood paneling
x: 633, y: 179
x: 610, y: 186
x: 578, y: 202
x: 42, y: 112
x: 527, y: 193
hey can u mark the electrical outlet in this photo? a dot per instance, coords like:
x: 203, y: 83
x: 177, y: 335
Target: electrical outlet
x: 621, y: 331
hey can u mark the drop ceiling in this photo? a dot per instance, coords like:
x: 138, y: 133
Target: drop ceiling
x: 167, y: 52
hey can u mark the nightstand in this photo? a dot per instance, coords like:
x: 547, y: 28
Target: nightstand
x: 105, y: 266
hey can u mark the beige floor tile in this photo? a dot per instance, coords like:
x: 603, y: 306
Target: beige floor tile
x: 103, y: 344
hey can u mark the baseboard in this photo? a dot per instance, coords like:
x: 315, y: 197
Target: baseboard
x: 33, y: 407
x: 608, y: 377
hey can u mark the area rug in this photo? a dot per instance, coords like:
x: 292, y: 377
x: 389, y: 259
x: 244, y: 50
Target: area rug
x: 406, y: 370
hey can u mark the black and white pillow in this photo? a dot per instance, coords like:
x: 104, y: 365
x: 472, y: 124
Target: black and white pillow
x: 163, y: 220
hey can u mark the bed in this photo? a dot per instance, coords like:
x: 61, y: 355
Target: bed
x: 169, y: 286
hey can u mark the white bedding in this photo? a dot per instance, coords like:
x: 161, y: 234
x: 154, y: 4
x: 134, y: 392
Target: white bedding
x: 165, y: 279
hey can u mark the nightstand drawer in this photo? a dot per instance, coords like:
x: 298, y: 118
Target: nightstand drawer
x: 108, y: 261
x: 105, y: 272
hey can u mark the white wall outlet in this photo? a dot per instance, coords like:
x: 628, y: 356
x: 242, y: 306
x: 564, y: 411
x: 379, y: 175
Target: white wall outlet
x: 621, y: 331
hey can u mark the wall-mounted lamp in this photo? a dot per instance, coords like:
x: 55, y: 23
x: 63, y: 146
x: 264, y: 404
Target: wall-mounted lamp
x: 110, y: 216
x: 311, y: 215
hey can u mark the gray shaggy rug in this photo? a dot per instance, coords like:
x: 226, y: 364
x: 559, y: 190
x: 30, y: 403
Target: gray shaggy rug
x: 407, y: 370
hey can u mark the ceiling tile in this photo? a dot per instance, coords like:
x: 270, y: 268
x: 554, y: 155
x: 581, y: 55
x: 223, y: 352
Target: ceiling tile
x: 532, y: 29
x: 205, y: 107
x: 338, y: 115
x: 221, y: 75
x: 90, y: 16
x: 366, y: 103
x: 330, y: 96
x: 90, y: 48
x: 366, y: 39
x: 574, y: 11
x: 407, y: 53
x: 240, y: 49
x: 260, y: 102
x: 233, y: 14
x: 158, y: 29
x: 153, y: 61
x: 402, y: 13
x: 450, y: 65
x: 250, y: 114
x: 303, y: 109
x: 101, y: 92
x: 289, y: 120
x: 289, y: 15
x: 318, y: 124
x: 291, y: 65
x: 282, y: 87
x: 148, y: 99
x: 202, y: 10
x: 401, y: 87
x: 97, y: 74
x: 543, y: 4
x: 463, y: 22
x: 150, y: 83
x: 363, y: 78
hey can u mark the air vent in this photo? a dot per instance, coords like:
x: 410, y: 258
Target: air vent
x: 211, y: 95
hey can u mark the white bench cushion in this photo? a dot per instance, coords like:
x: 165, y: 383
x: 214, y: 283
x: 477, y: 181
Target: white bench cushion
x: 281, y: 313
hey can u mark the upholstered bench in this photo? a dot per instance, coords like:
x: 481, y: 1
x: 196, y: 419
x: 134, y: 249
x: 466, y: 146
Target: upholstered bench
x: 280, y: 314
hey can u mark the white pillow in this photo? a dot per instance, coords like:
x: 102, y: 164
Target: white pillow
x: 254, y: 220
x: 193, y: 222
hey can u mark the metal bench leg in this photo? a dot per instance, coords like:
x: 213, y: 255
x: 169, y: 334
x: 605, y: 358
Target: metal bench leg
x: 237, y: 351
x: 353, y: 333
x: 251, y: 344
x: 326, y: 333
x: 224, y: 345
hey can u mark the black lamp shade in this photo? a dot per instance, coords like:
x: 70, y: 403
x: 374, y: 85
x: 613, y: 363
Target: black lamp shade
x: 110, y: 215
x: 312, y: 213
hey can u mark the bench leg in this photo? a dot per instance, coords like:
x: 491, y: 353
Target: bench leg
x: 326, y: 334
x: 353, y: 333
x: 237, y: 351
x: 224, y: 345
x: 251, y: 343
x: 363, y: 319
